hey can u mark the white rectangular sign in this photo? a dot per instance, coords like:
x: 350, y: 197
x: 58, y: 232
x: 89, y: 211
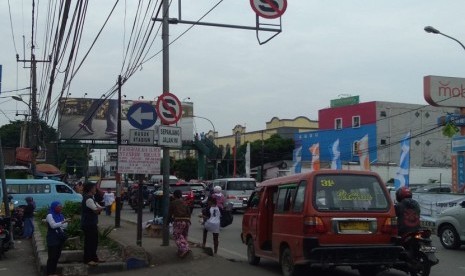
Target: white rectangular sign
x: 169, y: 136
x: 444, y: 91
x: 139, y: 159
x: 141, y: 137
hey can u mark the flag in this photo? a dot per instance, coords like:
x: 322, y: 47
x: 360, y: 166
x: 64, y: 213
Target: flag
x: 315, y: 152
x: 364, y: 153
x: 335, y: 156
x: 402, y: 175
x: 297, y: 160
x: 247, y: 161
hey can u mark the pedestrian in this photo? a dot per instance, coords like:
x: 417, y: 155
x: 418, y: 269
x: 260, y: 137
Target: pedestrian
x: 180, y: 215
x: 218, y: 195
x: 56, y: 236
x: 212, y: 224
x: 108, y: 199
x: 28, y: 218
x: 90, y: 210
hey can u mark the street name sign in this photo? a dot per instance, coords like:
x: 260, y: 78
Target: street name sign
x: 458, y: 144
x: 142, y: 115
x: 141, y: 137
x: 169, y: 136
x: 139, y: 159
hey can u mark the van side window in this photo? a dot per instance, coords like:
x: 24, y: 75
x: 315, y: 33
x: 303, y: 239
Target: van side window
x: 254, y: 199
x: 28, y: 189
x: 285, y: 198
x: 300, y: 196
x: 63, y: 189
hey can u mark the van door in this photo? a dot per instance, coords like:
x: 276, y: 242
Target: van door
x: 265, y: 218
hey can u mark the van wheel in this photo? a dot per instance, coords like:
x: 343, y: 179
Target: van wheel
x: 251, y: 258
x: 449, y: 237
x: 288, y: 267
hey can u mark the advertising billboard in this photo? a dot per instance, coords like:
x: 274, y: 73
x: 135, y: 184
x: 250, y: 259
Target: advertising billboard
x: 96, y: 119
x: 444, y: 91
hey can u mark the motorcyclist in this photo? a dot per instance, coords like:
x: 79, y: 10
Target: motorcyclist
x: 407, y: 212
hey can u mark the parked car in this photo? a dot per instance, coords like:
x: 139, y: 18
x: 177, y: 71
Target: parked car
x: 435, y: 188
x: 451, y: 226
x: 325, y: 218
x: 187, y: 193
x: 199, y: 192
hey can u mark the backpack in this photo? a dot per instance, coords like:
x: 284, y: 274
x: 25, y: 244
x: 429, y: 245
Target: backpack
x: 226, y: 217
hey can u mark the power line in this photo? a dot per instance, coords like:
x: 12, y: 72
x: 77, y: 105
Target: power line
x: 11, y: 26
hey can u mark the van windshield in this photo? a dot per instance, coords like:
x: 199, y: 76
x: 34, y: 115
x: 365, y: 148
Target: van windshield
x: 241, y: 185
x: 349, y: 193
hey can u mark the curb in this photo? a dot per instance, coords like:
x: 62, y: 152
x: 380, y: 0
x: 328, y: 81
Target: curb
x: 69, y: 268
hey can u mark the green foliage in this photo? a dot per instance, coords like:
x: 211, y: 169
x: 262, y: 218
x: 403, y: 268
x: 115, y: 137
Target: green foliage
x: 74, y: 228
x: 11, y: 133
x: 41, y: 213
x: 103, y: 234
x: 186, y: 168
x: 71, y: 209
x: 450, y: 129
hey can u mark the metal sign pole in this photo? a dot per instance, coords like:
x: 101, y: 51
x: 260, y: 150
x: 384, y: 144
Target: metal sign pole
x: 140, y: 202
x: 166, y: 151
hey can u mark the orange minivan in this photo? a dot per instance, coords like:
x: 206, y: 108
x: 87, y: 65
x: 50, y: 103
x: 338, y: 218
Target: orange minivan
x: 325, y: 218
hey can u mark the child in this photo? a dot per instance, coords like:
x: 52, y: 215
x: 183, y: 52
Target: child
x: 212, y: 224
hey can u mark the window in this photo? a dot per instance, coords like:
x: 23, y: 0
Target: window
x: 299, y: 197
x: 383, y: 142
x: 382, y: 114
x: 28, y: 189
x: 338, y: 123
x: 349, y: 193
x: 355, y: 148
x: 63, y: 189
x: 285, y: 198
x: 241, y: 185
x: 355, y: 121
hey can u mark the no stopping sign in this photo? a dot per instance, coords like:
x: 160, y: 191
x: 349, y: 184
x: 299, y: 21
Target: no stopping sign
x: 169, y: 108
x: 269, y: 8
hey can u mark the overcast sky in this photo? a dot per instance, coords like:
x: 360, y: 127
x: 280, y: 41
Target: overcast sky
x: 375, y: 49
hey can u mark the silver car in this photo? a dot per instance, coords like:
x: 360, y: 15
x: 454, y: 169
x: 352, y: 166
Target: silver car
x: 451, y: 226
x: 236, y: 190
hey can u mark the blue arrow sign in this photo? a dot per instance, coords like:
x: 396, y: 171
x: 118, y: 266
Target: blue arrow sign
x: 457, y: 119
x: 142, y: 115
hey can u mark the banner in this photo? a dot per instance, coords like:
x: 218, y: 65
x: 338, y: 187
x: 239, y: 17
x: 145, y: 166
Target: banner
x: 363, y: 153
x: 335, y: 156
x: 297, y: 158
x: 402, y: 175
x: 247, y: 161
x: 315, y: 152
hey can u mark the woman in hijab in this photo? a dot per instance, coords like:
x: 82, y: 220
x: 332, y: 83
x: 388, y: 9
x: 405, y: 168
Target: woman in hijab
x: 56, y: 225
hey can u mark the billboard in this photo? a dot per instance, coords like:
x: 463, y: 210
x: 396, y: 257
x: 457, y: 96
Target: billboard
x: 96, y: 119
x: 444, y: 91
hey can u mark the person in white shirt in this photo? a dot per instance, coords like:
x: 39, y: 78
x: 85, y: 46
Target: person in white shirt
x: 56, y: 238
x: 89, y: 221
x: 212, y: 224
x: 108, y: 199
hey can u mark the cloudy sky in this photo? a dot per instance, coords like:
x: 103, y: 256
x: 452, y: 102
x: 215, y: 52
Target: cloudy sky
x: 327, y: 49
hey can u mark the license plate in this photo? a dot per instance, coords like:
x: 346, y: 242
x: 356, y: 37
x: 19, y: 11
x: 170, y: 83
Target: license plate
x: 354, y: 226
x: 427, y: 249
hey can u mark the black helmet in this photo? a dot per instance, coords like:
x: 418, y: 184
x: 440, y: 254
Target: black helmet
x: 402, y: 193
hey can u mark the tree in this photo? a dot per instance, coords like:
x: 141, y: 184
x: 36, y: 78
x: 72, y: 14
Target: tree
x: 275, y: 148
x: 11, y: 133
x: 186, y: 168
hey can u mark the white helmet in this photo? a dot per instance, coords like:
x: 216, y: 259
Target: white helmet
x: 217, y: 189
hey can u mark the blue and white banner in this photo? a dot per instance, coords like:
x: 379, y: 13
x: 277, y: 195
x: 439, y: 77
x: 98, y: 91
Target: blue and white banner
x: 297, y: 158
x: 402, y: 175
x: 335, y: 156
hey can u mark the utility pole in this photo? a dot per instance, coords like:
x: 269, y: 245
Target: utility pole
x: 118, y: 175
x: 34, y: 118
x: 165, y: 35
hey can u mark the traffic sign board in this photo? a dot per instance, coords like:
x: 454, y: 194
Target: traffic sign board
x: 169, y: 136
x: 142, y: 115
x: 141, y: 137
x: 139, y: 159
x: 269, y: 8
x: 458, y: 144
x: 169, y: 108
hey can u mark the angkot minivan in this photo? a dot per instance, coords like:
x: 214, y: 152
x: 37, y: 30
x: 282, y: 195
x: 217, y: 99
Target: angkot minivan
x: 324, y: 218
x: 236, y: 191
x: 43, y: 191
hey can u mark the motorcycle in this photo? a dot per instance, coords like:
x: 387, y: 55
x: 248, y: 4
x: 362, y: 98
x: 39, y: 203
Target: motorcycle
x: 5, y: 241
x: 18, y: 221
x: 419, y: 254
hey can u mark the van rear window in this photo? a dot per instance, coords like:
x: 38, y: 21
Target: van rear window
x: 349, y: 193
x: 241, y: 185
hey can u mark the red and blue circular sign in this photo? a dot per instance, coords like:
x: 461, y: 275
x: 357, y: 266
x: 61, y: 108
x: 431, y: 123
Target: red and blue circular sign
x: 269, y: 9
x: 169, y: 108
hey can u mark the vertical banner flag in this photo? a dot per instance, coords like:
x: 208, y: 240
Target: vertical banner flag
x: 335, y: 156
x: 297, y: 158
x: 247, y: 161
x: 364, y: 153
x: 315, y: 152
x: 402, y: 175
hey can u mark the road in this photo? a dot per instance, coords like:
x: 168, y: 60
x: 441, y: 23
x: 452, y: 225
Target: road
x: 230, y: 247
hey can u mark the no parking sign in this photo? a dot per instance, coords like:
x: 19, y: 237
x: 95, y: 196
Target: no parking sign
x: 269, y: 8
x: 169, y: 108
